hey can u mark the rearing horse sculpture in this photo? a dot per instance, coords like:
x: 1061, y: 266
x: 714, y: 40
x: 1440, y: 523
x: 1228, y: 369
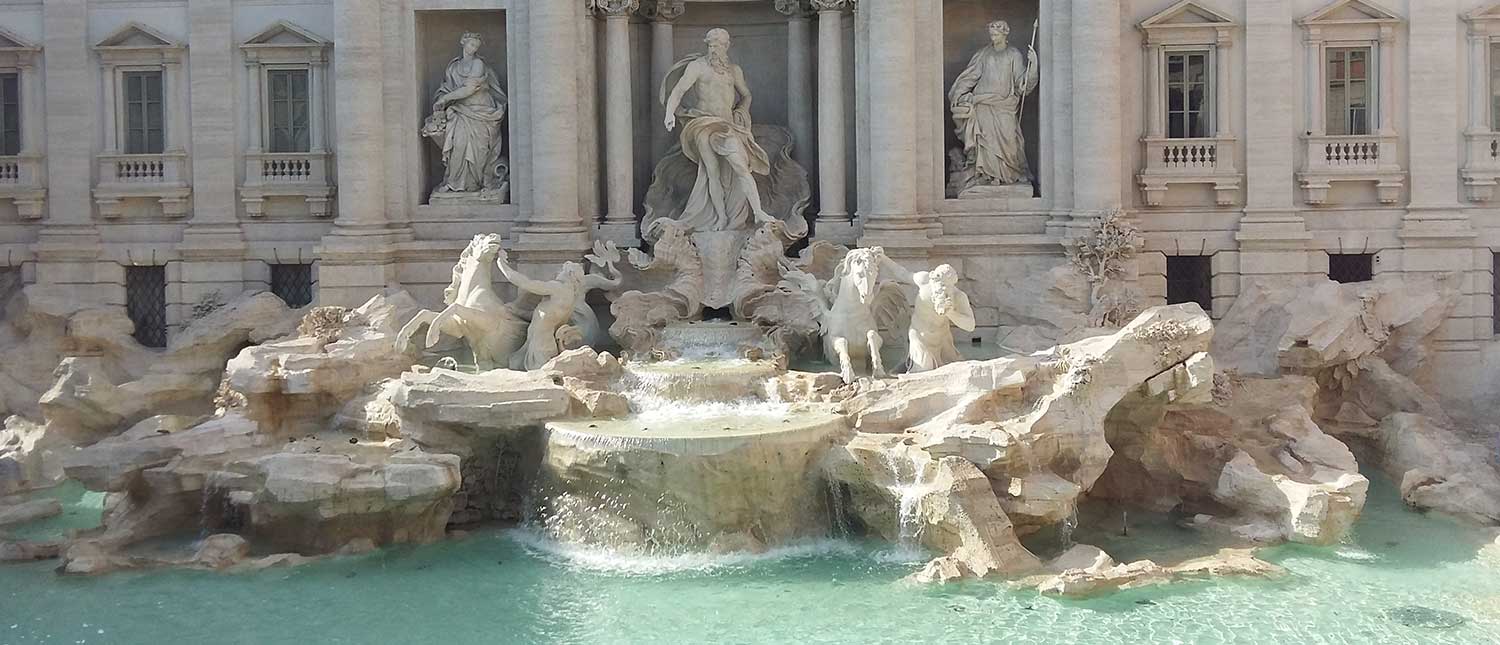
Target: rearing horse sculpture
x: 859, y: 304
x: 474, y: 313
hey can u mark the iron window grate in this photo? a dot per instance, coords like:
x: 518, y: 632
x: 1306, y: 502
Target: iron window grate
x: 1190, y: 279
x: 146, y: 302
x: 292, y: 283
x: 1347, y: 268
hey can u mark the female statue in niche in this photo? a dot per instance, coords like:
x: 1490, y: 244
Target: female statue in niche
x: 465, y: 122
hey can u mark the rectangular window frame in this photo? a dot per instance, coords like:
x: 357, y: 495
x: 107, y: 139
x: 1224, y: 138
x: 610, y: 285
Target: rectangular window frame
x: 12, y: 113
x: 1371, y: 79
x: 147, y: 145
x: 1208, y: 110
x: 1492, y: 78
x: 268, y: 107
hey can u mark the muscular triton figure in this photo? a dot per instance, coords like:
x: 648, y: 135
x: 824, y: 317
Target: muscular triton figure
x: 716, y: 136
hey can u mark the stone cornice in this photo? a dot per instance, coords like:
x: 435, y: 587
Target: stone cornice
x: 613, y: 8
x: 833, y: 5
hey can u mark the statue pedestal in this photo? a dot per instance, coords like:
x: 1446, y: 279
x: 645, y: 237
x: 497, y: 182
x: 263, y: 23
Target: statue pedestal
x: 492, y: 197
x: 623, y: 234
x: 1010, y: 191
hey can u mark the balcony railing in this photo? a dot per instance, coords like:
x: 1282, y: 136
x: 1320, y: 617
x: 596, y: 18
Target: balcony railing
x: 287, y: 174
x: 1210, y: 160
x: 1482, y: 165
x: 162, y: 177
x: 21, y: 180
x: 1363, y: 157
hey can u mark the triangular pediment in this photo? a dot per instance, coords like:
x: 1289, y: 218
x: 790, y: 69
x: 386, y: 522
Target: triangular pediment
x: 135, y: 35
x: 285, y: 34
x: 1489, y: 11
x: 1188, y: 14
x: 10, y: 41
x: 1351, y: 11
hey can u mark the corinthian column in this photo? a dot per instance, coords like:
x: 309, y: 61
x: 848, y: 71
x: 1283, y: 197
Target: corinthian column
x: 799, y: 91
x: 619, y: 155
x: 891, y: 220
x: 661, y: 13
x: 834, y: 223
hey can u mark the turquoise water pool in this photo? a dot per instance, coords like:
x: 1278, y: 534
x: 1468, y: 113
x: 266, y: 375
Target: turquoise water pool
x: 506, y: 587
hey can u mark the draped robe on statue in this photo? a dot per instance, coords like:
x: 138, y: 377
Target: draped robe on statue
x: 993, y: 85
x: 703, y: 134
x: 471, y: 149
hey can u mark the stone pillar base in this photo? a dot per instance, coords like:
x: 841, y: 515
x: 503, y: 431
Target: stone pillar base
x: 1276, y: 247
x: 356, y: 263
x: 623, y: 234
x: 844, y: 232
x: 904, y: 239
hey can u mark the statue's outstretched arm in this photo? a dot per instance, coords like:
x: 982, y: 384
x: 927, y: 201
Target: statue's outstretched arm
x: 962, y: 313
x: 895, y: 271
x: 524, y: 283
x: 674, y: 101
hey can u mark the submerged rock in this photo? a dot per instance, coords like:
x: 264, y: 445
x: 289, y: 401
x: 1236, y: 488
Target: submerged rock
x: 1426, y: 617
x: 29, y: 511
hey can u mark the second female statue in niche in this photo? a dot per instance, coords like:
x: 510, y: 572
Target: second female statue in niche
x: 467, y: 112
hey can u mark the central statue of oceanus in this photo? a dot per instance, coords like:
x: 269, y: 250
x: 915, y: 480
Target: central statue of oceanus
x: 727, y: 176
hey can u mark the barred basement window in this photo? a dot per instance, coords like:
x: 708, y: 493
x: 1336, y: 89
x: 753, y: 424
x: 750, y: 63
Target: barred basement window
x: 292, y: 283
x: 1348, y: 268
x: 1190, y: 279
x: 146, y: 302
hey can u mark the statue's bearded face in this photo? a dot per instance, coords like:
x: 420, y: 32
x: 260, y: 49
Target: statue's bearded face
x: 718, y: 50
x: 999, y: 33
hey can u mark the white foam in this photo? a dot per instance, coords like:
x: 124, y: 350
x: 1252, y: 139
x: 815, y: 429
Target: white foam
x: 605, y: 561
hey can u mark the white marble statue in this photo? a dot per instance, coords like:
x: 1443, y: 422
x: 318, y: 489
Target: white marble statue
x: 716, y: 135
x: 562, y: 302
x: 986, y: 102
x: 939, y: 307
x: 492, y: 329
x: 863, y: 296
x: 467, y: 113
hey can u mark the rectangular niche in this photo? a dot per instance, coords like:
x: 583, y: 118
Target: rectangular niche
x: 965, y: 32
x: 437, y: 43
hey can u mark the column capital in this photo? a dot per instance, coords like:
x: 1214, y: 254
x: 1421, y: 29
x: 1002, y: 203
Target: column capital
x: 794, y: 9
x: 663, y: 10
x: 834, y: 5
x: 613, y: 8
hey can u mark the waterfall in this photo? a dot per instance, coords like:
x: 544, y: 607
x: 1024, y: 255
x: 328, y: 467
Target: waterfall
x: 837, y: 511
x: 908, y: 487
x: 1065, y: 530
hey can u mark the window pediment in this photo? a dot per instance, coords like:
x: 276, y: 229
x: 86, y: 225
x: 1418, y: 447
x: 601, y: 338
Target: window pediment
x: 136, y: 43
x: 1485, y: 20
x: 285, y: 42
x: 16, y: 51
x: 1350, y: 12
x: 1188, y: 22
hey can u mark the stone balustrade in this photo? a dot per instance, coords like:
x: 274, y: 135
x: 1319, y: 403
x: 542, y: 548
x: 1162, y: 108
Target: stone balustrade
x: 161, y: 177
x: 1366, y: 158
x: 1209, y: 160
x: 21, y: 180
x: 287, y: 174
x: 1481, y: 170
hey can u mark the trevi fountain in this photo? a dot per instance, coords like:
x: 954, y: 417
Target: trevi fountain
x: 725, y: 420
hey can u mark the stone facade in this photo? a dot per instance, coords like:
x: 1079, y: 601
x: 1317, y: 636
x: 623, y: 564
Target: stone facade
x: 1266, y: 186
